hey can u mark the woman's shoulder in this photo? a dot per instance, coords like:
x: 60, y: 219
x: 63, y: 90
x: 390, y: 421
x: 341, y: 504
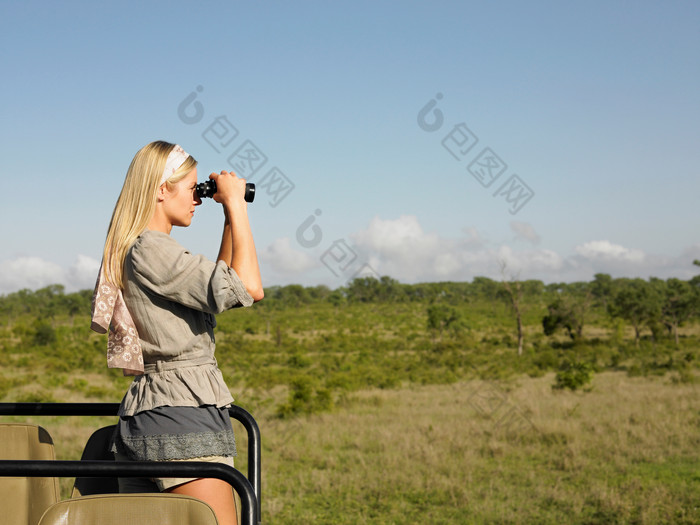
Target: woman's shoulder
x: 154, y: 248
x: 152, y: 239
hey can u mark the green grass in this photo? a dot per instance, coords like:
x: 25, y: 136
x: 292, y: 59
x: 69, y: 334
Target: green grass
x: 427, y: 454
x: 369, y: 417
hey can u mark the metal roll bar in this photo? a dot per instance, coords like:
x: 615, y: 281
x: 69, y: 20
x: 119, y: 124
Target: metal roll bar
x: 135, y: 469
x: 111, y: 409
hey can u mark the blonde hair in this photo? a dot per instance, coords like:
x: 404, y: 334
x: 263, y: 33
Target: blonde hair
x: 137, y: 203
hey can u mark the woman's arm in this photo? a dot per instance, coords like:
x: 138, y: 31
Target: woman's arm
x: 237, y: 245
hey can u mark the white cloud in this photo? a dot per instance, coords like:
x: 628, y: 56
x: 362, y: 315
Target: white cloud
x: 525, y: 231
x: 605, y: 250
x: 29, y: 272
x: 401, y: 235
x: 530, y: 264
x: 281, y: 257
x: 83, y: 273
x: 401, y: 249
x: 34, y: 272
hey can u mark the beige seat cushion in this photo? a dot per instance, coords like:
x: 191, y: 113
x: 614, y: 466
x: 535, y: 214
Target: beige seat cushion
x: 122, y: 509
x: 26, y: 499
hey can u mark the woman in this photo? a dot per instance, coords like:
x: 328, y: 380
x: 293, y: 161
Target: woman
x: 158, y: 302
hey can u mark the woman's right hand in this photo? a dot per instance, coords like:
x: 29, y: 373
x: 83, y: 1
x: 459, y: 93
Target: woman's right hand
x: 230, y: 188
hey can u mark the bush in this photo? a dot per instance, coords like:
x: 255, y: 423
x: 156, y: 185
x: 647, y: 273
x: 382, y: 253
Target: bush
x: 573, y: 375
x: 44, y: 334
x: 304, y: 398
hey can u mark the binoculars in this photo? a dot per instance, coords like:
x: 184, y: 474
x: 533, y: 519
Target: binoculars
x: 208, y: 189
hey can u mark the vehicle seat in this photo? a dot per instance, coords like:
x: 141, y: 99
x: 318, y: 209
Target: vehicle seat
x: 143, y: 509
x: 26, y: 499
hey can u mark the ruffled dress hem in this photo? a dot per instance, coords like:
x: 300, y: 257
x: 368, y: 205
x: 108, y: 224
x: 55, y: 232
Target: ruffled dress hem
x: 190, y: 386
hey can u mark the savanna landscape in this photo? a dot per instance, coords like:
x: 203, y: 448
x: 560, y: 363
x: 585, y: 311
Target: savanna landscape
x: 457, y: 402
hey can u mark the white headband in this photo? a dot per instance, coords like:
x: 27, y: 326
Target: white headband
x: 175, y: 159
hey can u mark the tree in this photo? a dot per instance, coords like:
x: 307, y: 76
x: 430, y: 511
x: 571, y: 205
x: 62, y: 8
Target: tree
x: 602, y: 289
x: 319, y: 292
x: 442, y: 317
x: 371, y: 289
x: 292, y: 295
x: 637, y: 301
x: 485, y: 287
x: 680, y: 303
x: 363, y: 289
x: 569, y: 310
x: 50, y: 299
x: 390, y: 290
x: 514, y: 294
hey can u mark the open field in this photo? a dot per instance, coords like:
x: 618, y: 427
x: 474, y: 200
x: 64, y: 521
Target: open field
x: 627, y: 451
x: 372, y: 413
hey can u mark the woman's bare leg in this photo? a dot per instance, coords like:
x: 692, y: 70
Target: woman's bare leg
x: 217, y: 493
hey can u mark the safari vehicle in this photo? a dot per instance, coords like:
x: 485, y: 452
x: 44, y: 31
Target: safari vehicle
x: 29, y: 472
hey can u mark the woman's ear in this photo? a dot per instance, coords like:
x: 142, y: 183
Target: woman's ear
x: 162, y: 190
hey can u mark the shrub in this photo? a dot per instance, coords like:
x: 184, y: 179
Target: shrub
x: 304, y: 398
x: 44, y: 334
x: 573, y: 375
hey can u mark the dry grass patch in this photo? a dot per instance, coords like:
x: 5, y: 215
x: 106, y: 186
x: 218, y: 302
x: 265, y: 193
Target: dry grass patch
x: 627, y: 451
x: 481, y: 452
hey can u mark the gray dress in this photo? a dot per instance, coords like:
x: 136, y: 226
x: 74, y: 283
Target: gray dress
x: 177, y: 409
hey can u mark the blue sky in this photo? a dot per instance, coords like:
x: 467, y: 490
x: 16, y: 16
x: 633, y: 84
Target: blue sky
x: 589, y: 112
